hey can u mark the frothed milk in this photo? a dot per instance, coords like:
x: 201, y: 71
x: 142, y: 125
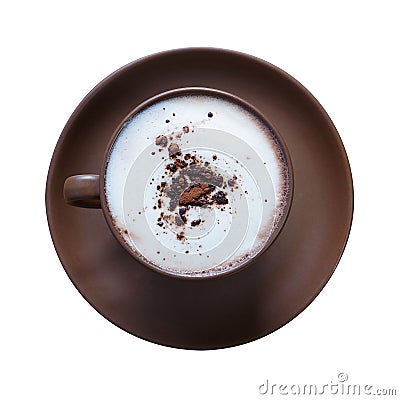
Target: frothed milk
x: 196, y: 184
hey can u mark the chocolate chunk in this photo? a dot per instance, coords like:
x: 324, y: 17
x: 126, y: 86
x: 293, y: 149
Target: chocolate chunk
x: 171, y: 167
x: 220, y: 197
x: 196, y: 222
x: 174, y: 150
x: 180, y: 163
x: 195, y: 195
x: 182, y: 210
x: 188, y: 178
x: 161, y: 141
x: 180, y: 236
x: 182, y: 216
x: 232, y: 181
x: 185, y: 129
x: 210, y: 115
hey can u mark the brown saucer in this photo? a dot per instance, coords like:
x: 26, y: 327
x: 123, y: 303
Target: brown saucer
x: 230, y: 310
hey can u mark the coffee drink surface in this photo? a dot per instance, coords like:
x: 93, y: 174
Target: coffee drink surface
x: 196, y: 184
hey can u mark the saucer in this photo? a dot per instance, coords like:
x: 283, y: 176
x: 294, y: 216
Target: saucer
x: 228, y: 310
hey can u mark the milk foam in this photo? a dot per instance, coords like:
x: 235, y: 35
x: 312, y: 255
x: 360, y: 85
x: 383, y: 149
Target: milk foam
x: 216, y: 126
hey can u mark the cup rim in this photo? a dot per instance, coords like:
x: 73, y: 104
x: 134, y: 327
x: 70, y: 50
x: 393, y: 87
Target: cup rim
x: 193, y: 90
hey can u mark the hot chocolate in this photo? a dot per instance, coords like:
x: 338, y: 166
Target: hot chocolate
x: 196, y: 184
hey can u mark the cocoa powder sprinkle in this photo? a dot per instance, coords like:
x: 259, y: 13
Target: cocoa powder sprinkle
x: 191, y: 195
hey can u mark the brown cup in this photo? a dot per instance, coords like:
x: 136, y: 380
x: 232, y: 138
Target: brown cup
x: 89, y: 191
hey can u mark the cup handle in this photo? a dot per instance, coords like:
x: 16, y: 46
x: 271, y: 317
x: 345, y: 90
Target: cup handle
x: 83, y: 191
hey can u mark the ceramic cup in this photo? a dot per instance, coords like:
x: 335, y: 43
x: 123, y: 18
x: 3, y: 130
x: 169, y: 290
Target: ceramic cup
x: 195, y: 183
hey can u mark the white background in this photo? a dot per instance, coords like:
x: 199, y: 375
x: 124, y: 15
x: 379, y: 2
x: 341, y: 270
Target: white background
x: 53, y: 344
